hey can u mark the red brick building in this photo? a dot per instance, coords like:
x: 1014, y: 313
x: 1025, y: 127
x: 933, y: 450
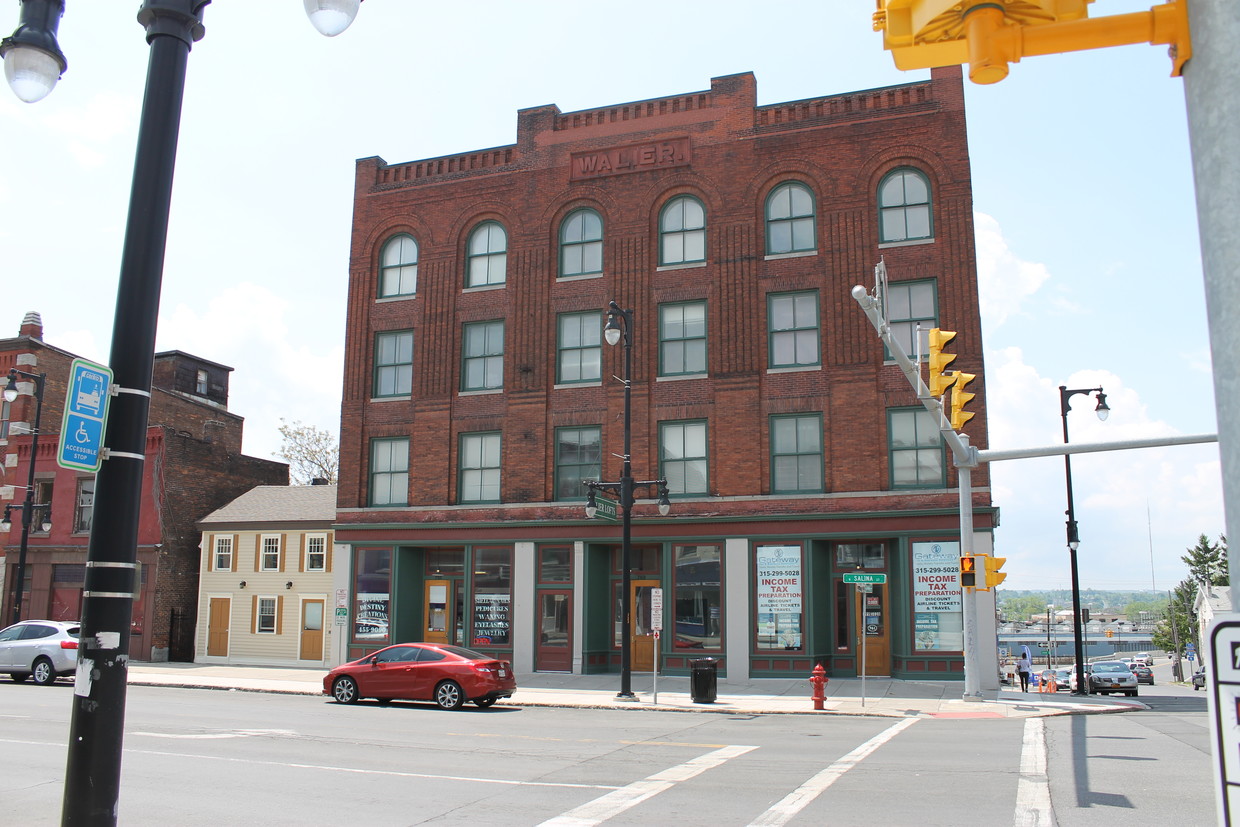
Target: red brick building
x: 479, y: 391
x: 193, y: 466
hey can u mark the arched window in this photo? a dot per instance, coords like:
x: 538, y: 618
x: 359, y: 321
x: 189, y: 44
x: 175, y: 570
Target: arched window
x: 682, y: 231
x: 398, y: 267
x: 487, y: 255
x: 790, y: 220
x: 581, y: 244
x: 904, y: 206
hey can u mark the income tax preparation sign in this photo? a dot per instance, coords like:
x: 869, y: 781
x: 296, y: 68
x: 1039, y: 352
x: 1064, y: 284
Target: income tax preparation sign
x: 86, y: 414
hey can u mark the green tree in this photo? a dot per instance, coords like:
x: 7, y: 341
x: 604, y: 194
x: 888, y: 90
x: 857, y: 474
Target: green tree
x: 312, y: 453
x: 1207, y: 562
x: 1180, y: 627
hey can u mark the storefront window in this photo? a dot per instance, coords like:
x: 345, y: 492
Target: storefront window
x: 444, y: 562
x: 698, y: 609
x: 555, y: 564
x: 642, y: 559
x: 938, y: 623
x: 860, y: 556
x: 372, y: 586
x: 779, y: 581
x: 492, y: 616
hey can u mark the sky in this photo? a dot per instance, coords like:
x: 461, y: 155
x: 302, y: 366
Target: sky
x: 1089, y: 262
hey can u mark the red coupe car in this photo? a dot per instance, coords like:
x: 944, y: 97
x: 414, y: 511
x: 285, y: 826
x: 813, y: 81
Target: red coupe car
x: 447, y: 675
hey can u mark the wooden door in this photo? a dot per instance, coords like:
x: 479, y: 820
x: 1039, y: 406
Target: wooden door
x: 873, y: 631
x: 218, y: 615
x: 555, y: 624
x: 641, y: 651
x: 312, y: 630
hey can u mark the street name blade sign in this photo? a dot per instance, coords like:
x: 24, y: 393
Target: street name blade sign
x: 86, y: 413
x: 865, y: 578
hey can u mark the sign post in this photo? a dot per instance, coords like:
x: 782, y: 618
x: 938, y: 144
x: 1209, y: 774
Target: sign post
x: 864, y: 581
x: 656, y: 626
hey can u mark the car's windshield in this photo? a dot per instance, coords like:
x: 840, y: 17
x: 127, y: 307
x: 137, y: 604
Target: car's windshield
x: 1110, y: 667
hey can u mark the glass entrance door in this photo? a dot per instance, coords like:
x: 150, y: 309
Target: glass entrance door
x: 555, y: 622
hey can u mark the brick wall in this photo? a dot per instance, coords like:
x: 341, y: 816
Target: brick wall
x: 840, y: 146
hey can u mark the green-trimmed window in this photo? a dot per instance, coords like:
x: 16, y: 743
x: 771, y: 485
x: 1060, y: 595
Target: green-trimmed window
x: 682, y: 339
x: 796, y: 454
x: 578, y: 456
x: 792, y: 320
x: 487, y: 258
x: 398, y: 267
x: 479, y: 468
x: 579, y: 347
x: 581, y: 244
x: 682, y: 457
x: 389, y: 471
x: 394, y: 363
x: 682, y: 231
x: 915, y: 448
x: 790, y: 219
x: 909, y: 304
x: 482, y: 356
x: 904, y: 206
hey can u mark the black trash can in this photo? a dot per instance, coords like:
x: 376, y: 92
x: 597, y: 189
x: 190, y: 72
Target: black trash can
x: 703, y: 680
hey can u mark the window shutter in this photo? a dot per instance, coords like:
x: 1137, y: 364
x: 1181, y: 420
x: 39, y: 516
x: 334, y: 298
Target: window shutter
x: 327, y: 551
x: 258, y: 552
x: 301, y: 559
x: 254, y: 615
x: 235, y: 550
x: 283, y: 548
x: 280, y: 614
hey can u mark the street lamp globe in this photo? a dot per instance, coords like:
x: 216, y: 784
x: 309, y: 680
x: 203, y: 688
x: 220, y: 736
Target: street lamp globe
x: 1103, y: 409
x: 33, y: 61
x: 331, y: 17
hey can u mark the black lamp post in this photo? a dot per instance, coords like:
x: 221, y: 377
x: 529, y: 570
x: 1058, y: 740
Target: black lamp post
x: 28, y: 506
x: 33, y: 64
x: 1074, y: 540
x: 614, y: 332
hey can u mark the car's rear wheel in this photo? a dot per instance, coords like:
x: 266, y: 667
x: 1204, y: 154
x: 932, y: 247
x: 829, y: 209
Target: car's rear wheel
x: 44, y: 673
x: 484, y: 703
x: 449, y: 695
x: 18, y: 677
x: 344, y: 690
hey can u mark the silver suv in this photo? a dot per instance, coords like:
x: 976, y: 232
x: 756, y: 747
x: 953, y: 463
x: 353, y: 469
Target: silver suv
x: 45, y: 649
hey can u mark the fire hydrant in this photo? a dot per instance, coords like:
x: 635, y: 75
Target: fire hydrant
x: 819, y: 679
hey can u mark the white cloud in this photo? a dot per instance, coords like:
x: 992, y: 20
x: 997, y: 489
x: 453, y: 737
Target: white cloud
x: 1004, y: 280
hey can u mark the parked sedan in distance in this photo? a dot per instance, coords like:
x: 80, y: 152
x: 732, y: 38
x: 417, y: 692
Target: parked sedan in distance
x: 1063, y: 679
x: 1107, y: 676
x: 1144, y: 673
x: 45, y: 649
x: 447, y: 675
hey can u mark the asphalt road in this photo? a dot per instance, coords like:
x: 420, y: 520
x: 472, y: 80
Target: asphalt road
x: 198, y: 757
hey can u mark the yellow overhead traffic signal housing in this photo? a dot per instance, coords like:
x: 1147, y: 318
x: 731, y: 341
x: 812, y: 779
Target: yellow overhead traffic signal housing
x: 968, y: 571
x: 960, y: 398
x: 993, y: 576
x: 990, y: 34
x: 940, y: 379
x: 1110, y: 633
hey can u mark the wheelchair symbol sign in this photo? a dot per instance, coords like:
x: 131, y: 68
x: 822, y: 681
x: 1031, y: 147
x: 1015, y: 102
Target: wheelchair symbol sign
x: 86, y: 413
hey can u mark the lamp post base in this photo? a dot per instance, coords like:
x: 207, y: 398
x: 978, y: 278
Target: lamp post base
x: 627, y: 697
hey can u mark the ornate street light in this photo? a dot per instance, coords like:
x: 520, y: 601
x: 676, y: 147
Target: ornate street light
x: 1074, y: 540
x: 33, y: 63
x: 620, y: 327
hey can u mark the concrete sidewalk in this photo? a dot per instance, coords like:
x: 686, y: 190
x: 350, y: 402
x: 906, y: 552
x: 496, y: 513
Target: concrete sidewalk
x: 881, y: 697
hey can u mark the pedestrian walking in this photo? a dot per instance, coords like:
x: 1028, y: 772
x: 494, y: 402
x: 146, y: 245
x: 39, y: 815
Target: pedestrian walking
x: 1024, y: 667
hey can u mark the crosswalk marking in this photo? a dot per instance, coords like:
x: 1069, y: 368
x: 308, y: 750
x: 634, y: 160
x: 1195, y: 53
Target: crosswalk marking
x: 616, y: 802
x: 797, y: 800
x: 1033, y: 791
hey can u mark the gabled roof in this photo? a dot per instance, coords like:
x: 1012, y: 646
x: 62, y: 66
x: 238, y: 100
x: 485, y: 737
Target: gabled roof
x: 278, y: 504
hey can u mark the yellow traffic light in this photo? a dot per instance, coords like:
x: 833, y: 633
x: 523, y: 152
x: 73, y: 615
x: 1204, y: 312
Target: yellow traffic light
x: 968, y: 571
x: 990, y: 34
x: 993, y: 576
x: 1110, y: 633
x: 940, y: 379
x: 960, y: 398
